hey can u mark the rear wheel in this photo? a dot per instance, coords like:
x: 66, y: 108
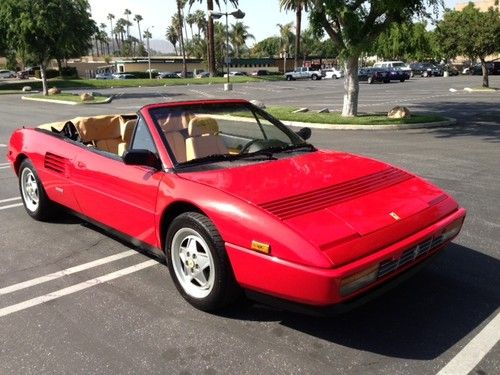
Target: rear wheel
x: 314, y: 77
x: 35, y: 200
x: 198, y: 263
x: 288, y: 78
x: 402, y: 80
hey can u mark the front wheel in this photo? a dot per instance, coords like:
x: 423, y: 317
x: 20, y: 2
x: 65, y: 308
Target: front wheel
x: 198, y: 263
x: 35, y: 200
x: 314, y: 77
x: 288, y: 78
x: 370, y: 80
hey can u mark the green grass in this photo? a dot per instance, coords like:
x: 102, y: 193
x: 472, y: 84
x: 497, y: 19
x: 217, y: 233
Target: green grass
x: 101, y: 84
x: 71, y: 98
x: 286, y: 114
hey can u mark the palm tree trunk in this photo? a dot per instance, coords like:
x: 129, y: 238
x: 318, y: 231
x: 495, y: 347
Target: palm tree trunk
x: 298, y: 22
x: 139, y: 27
x: 211, y: 40
x: 181, y: 39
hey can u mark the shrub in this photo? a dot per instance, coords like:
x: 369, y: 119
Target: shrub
x: 69, y: 72
x: 49, y: 73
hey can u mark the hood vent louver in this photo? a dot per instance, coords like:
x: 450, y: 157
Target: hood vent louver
x: 315, y: 200
x: 55, y: 163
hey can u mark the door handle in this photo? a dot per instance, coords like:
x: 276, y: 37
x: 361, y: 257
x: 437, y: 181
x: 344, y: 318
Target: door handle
x: 81, y: 165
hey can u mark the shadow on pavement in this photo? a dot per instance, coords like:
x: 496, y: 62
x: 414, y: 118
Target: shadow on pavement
x: 478, y: 119
x: 420, y: 319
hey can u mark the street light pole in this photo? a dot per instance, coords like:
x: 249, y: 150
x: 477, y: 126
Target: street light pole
x: 238, y: 14
x: 148, y: 34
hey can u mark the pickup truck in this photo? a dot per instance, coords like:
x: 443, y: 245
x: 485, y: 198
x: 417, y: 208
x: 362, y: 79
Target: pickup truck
x: 305, y: 73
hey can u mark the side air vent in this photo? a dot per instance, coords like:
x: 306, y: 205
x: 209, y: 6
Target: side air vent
x: 55, y: 163
x: 296, y: 205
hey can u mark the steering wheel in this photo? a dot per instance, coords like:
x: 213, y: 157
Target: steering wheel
x: 261, y: 144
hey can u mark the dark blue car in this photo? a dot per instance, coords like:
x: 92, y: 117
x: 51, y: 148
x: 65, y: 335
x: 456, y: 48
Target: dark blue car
x: 396, y: 74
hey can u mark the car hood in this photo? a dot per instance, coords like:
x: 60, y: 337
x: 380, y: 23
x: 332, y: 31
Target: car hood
x: 327, y: 197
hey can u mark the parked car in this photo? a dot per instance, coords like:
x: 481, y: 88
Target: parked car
x: 397, y: 74
x: 261, y: 72
x: 188, y: 74
x: 492, y: 66
x: 235, y: 74
x: 393, y: 64
x: 312, y: 72
x: 452, y: 70
x: 333, y: 73
x: 164, y: 75
x: 104, y: 76
x: 372, y: 75
x: 202, y: 75
x: 426, y: 69
x: 237, y: 205
x: 123, y: 76
x: 7, y: 74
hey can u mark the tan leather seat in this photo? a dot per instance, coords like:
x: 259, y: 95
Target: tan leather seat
x: 203, y: 138
x: 175, y: 129
x: 127, y: 130
x: 103, y: 131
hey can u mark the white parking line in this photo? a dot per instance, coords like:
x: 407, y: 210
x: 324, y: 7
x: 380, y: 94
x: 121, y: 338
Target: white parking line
x: 76, y: 288
x: 468, y: 358
x: 4, y: 166
x: 10, y: 206
x: 9, y: 199
x: 2, y: 145
x: 66, y: 272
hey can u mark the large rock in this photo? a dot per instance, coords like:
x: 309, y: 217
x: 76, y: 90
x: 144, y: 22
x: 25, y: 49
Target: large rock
x: 301, y: 110
x: 54, y: 91
x: 86, y: 97
x: 399, y: 112
x: 27, y: 88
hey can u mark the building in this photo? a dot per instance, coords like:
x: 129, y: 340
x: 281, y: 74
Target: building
x: 483, y: 5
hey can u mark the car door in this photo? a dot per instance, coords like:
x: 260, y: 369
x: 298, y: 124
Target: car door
x: 120, y: 196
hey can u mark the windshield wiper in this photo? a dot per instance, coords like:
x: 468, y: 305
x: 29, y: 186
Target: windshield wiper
x: 225, y: 157
x: 290, y: 148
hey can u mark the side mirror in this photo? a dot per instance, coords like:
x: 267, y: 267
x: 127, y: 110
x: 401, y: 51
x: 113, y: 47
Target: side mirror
x: 142, y: 157
x: 304, y: 133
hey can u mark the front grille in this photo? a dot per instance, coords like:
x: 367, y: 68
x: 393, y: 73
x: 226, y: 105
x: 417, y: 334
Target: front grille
x: 390, y: 265
x: 286, y: 208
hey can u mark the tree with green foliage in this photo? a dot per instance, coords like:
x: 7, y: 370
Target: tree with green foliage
x: 471, y: 33
x: 297, y: 6
x: 172, y: 36
x: 45, y: 29
x: 138, y: 18
x: 269, y: 47
x: 353, y: 25
x: 406, y: 41
x: 211, y: 30
x: 238, y: 34
x: 287, y: 37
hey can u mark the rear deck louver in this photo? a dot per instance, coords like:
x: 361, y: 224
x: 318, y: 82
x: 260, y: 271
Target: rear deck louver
x: 55, y: 163
x: 315, y: 200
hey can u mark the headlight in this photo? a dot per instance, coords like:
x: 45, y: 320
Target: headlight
x: 452, y: 230
x: 358, y: 280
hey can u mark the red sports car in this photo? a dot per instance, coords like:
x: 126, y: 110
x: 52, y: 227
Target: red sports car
x: 238, y: 202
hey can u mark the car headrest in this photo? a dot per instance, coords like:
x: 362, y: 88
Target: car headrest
x: 98, y: 127
x: 127, y: 129
x: 202, y: 125
x: 176, y: 121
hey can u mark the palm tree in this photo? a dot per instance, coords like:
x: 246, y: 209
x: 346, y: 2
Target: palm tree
x: 172, y: 36
x: 138, y: 18
x: 191, y: 20
x: 110, y: 18
x: 104, y: 36
x: 201, y: 22
x: 128, y: 13
x: 180, y: 6
x: 120, y: 30
x: 239, y: 35
x: 210, y: 30
x: 286, y: 36
x: 297, y: 6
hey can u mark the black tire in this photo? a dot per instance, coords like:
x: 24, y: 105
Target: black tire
x: 288, y: 78
x: 387, y: 80
x: 370, y: 80
x: 402, y: 80
x: 42, y: 210
x: 314, y: 77
x: 223, y: 290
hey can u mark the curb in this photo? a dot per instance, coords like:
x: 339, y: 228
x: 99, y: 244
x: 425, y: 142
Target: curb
x: 449, y: 121
x: 108, y: 100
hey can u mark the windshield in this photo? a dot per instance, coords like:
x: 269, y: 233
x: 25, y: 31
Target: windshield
x: 214, y: 132
x: 398, y: 64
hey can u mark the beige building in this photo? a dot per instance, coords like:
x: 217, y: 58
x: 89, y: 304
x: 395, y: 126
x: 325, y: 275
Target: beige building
x: 481, y: 4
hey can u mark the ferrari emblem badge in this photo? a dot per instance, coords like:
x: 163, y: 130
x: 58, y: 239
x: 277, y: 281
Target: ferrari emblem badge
x: 395, y: 216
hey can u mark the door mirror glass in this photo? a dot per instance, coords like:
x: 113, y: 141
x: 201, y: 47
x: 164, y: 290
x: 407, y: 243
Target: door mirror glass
x: 142, y: 157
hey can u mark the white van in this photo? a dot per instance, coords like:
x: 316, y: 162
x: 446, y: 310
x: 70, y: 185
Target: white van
x: 393, y: 64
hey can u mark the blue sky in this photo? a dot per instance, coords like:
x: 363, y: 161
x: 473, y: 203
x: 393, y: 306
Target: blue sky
x: 261, y: 15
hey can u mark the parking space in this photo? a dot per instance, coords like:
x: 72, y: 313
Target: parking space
x: 74, y: 299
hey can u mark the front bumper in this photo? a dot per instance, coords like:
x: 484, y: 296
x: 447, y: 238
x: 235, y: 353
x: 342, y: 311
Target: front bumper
x: 320, y: 287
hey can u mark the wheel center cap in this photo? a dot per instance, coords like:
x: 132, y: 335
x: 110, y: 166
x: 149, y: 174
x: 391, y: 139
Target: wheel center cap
x: 190, y: 263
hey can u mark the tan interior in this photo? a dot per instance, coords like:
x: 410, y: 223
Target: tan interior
x: 174, y: 128
x: 109, y: 133
x: 203, y: 138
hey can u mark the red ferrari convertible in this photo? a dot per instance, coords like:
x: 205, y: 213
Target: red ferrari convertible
x: 238, y: 202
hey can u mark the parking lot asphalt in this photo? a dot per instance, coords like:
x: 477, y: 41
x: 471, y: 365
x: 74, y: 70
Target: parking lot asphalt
x: 137, y: 323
